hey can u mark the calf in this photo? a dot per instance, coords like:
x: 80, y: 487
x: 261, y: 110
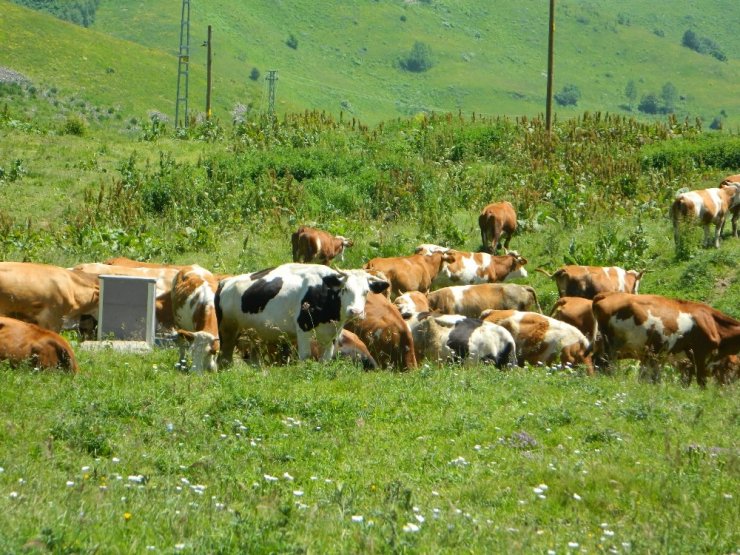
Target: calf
x: 576, y: 311
x: 194, y: 313
x: 385, y: 333
x: 649, y: 327
x: 467, y: 268
x: 497, y: 220
x: 409, y: 273
x: 541, y: 339
x: 297, y: 301
x: 24, y: 342
x: 708, y: 206
x: 471, y: 300
x: 46, y: 295
x: 588, y: 281
x: 310, y: 244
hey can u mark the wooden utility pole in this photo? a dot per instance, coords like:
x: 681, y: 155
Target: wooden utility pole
x: 183, y: 60
x: 208, y: 79
x: 550, y: 64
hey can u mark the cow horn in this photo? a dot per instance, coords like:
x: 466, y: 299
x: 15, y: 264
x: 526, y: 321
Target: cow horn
x: 543, y: 271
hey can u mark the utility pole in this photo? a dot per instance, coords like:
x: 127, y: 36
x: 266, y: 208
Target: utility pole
x: 271, y: 85
x: 208, y: 81
x: 550, y: 63
x: 182, y: 65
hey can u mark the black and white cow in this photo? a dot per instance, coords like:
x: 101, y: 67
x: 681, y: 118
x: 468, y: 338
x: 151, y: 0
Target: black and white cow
x: 454, y: 338
x: 303, y: 302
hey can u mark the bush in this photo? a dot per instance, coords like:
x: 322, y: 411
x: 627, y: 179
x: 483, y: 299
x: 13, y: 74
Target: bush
x: 569, y: 95
x: 74, y: 125
x: 292, y: 42
x: 649, y: 104
x: 702, y: 45
x: 419, y: 59
x: 254, y: 74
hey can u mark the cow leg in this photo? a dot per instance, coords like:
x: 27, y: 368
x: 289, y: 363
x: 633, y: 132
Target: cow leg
x: 228, y: 336
x: 707, y: 236
x: 303, y: 339
x: 735, y: 216
x: 506, y: 243
x: 718, y: 231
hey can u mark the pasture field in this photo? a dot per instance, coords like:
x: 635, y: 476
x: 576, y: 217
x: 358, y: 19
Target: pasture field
x: 131, y: 456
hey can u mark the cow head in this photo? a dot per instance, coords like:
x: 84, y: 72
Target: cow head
x: 735, y: 199
x: 204, y: 349
x: 412, y: 302
x: 517, y: 266
x: 352, y: 287
x: 428, y: 249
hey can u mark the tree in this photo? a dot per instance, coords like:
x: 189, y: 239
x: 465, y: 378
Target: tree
x: 649, y: 104
x: 569, y: 95
x: 691, y: 40
x: 630, y: 91
x: 668, y: 95
x: 419, y: 59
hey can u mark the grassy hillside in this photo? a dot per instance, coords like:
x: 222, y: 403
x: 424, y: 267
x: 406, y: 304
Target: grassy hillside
x: 487, y: 59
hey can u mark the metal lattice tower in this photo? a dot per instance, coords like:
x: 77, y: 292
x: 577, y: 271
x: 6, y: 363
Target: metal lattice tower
x: 182, y: 65
x: 271, y: 85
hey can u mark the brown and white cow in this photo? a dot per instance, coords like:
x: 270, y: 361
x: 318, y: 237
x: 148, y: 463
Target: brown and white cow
x: 23, y: 342
x: 727, y: 181
x: 194, y: 315
x: 471, y: 300
x: 410, y: 273
x: 385, y: 333
x: 588, y: 281
x: 467, y: 268
x: 497, y: 220
x: 707, y: 206
x: 576, y: 311
x: 46, y: 295
x: 314, y: 245
x: 649, y: 327
x: 541, y: 339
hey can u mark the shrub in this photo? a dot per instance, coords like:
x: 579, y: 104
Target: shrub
x: 702, y: 45
x: 649, y: 104
x: 569, y: 95
x: 74, y: 125
x: 292, y: 42
x: 419, y: 59
x: 254, y: 74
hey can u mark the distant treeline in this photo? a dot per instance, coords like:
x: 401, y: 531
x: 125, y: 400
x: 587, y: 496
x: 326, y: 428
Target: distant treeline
x: 81, y: 12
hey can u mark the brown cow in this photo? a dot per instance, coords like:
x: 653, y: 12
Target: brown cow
x: 588, y: 281
x: 46, y: 295
x: 311, y: 244
x: 23, y: 342
x: 471, y: 300
x: 497, y: 220
x: 730, y: 180
x: 541, y: 339
x: 409, y: 273
x: 576, y: 311
x: 708, y: 206
x: 385, y: 333
x: 467, y: 268
x: 649, y: 327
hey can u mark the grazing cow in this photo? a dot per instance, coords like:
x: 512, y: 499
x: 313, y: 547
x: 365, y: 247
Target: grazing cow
x: 194, y: 315
x: 311, y: 244
x: 471, y: 300
x: 648, y: 327
x: 351, y: 347
x: 297, y: 301
x: 46, y: 295
x: 409, y: 273
x: 23, y: 342
x: 497, y: 220
x: 708, y: 206
x: 588, y: 281
x: 727, y: 181
x: 576, y: 311
x: 467, y: 268
x: 385, y: 333
x: 541, y: 339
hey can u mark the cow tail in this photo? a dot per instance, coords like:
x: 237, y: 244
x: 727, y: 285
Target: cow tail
x: 536, y: 300
x: 217, y: 306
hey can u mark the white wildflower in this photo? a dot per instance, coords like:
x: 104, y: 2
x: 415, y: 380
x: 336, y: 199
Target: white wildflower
x: 357, y: 518
x: 410, y: 527
x: 577, y: 497
x: 271, y: 478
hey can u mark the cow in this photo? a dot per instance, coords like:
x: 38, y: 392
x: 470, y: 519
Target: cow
x: 543, y: 340
x: 311, y: 244
x: 452, y: 338
x: 497, y: 220
x: 46, y: 295
x: 727, y: 181
x: 23, y: 342
x: 576, y: 311
x: 467, y: 268
x: 385, y: 333
x: 351, y: 347
x: 649, y: 327
x: 412, y: 303
x: 409, y: 273
x: 471, y: 300
x: 588, y: 281
x: 194, y: 316
x: 297, y: 301
x: 708, y: 206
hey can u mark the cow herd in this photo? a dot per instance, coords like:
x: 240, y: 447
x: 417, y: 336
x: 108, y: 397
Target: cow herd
x: 437, y: 304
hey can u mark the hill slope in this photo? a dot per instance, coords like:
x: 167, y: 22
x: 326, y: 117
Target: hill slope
x: 487, y: 59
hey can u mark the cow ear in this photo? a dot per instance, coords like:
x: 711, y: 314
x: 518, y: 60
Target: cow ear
x: 333, y: 281
x: 186, y: 335
x: 378, y: 286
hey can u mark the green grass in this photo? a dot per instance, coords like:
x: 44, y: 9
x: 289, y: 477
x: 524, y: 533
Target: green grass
x: 486, y: 60
x: 288, y: 456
